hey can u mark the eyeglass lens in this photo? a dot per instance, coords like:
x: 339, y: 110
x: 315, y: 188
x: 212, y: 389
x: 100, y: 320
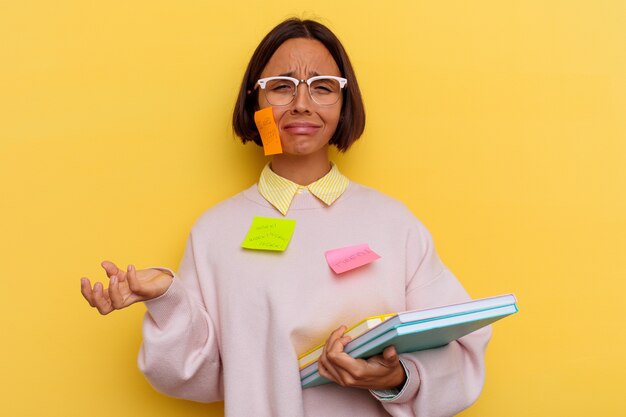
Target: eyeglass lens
x: 324, y: 91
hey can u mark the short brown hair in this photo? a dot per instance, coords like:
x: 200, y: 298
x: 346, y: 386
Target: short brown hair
x: 352, y: 118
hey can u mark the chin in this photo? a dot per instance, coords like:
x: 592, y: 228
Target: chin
x: 303, y: 147
x: 298, y: 152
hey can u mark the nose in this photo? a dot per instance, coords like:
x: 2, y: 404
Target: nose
x: 302, y: 102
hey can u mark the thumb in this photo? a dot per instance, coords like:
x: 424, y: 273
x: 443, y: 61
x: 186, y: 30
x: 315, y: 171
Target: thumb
x: 110, y: 268
x: 390, y: 355
x: 133, y: 282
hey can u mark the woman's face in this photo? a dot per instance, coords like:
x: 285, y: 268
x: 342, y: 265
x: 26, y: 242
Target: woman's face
x: 305, y: 127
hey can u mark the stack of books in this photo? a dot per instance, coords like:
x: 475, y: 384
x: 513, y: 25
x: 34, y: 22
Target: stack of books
x: 412, y: 331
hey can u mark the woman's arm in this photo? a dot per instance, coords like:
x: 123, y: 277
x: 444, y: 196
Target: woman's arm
x: 445, y: 380
x: 180, y: 353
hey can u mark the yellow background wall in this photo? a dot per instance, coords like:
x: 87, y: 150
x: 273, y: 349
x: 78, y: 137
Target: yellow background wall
x: 501, y: 124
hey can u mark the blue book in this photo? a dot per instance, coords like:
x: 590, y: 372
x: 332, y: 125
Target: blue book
x: 416, y: 330
x: 414, y: 316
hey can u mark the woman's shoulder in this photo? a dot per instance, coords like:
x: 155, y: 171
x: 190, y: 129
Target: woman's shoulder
x: 372, y: 199
x: 385, y: 208
x: 387, y: 211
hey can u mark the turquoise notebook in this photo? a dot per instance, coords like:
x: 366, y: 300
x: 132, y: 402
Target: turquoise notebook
x: 420, y: 334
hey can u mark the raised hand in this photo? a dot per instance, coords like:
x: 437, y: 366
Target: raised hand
x: 379, y: 372
x: 125, y: 287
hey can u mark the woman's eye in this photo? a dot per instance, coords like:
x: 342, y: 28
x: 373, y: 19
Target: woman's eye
x: 324, y: 87
x: 281, y: 87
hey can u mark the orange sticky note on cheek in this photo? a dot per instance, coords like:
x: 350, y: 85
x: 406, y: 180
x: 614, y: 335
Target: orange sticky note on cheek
x: 264, y: 120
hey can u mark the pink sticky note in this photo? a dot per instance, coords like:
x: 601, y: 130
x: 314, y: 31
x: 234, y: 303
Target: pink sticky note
x: 350, y: 257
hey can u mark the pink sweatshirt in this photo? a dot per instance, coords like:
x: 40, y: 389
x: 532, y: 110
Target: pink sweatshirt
x: 234, y: 320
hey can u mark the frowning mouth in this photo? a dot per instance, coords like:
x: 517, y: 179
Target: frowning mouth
x: 301, y: 128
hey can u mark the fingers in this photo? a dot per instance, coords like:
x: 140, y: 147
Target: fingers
x: 325, y: 369
x: 107, y: 300
x: 334, y: 336
x: 95, y: 297
x: 378, y: 372
x: 111, y: 269
x: 85, y: 289
x: 100, y: 299
x: 117, y: 300
x: 329, y: 371
x: 346, y: 370
x: 334, y: 350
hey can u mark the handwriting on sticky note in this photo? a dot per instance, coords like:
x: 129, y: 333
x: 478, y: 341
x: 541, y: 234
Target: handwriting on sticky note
x: 264, y: 120
x: 269, y: 233
x: 350, y: 257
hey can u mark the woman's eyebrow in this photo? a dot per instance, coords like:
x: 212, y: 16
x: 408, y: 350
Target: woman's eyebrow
x: 292, y: 74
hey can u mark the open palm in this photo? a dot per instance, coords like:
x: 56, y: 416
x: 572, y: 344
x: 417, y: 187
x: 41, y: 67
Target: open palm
x: 125, y: 287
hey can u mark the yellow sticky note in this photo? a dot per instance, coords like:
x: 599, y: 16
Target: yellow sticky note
x: 269, y: 233
x: 264, y: 120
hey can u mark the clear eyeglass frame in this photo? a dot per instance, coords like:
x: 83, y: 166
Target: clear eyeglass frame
x: 262, y: 83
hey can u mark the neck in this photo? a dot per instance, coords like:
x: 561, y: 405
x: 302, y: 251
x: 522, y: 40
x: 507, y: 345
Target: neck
x: 301, y: 169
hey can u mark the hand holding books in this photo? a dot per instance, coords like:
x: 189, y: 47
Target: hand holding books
x: 412, y: 331
x: 378, y: 372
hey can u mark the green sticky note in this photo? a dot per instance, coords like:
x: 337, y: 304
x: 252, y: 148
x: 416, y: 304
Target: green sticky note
x: 269, y: 233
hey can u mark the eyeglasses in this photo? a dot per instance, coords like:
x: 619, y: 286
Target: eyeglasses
x: 325, y: 90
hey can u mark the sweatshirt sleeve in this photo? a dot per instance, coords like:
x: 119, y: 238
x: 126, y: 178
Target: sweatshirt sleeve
x: 442, y: 381
x: 180, y: 350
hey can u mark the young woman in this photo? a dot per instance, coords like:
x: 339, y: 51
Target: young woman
x: 229, y: 325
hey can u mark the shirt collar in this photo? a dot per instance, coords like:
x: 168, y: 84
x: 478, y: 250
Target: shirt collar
x: 279, y: 191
